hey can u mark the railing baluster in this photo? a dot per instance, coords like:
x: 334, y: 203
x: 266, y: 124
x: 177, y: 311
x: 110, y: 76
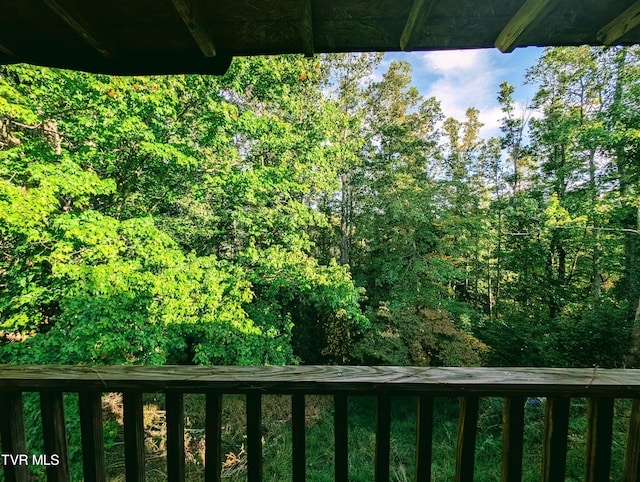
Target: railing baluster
x: 254, y: 437
x: 465, y: 454
x: 341, y: 436
x: 54, y: 434
x: 632, y: 456
x: 133, y: 436
x: 424, y: 435
x: 175, y: 436
x: 512, y: 439
x: 383, y: 437
x: 298, y: 454
x: 599, y: 432
x: 554, y: 455
x: 90, y: 404
x: 212, y: 466
x: 13, y: 436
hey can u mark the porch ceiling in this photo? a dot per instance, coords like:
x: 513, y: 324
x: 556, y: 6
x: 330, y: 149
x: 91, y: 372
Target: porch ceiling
x: 200, y: 36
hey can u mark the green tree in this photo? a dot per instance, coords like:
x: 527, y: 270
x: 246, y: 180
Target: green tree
x: 154, y: 208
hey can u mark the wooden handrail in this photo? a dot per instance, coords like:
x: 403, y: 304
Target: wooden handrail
x: 361, y: 380
x: 600, y: 386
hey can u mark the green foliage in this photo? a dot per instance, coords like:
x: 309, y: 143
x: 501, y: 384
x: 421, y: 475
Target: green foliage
x: 419, y: 338
x: 126, y: 291
x: 150, y: 220
x: 241, y: 219
x: 562, y: 285
x: 320, y: 303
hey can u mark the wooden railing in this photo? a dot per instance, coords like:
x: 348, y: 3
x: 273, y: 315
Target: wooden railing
x: 600, y: 386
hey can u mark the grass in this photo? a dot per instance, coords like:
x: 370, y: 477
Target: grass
x: 319, y: 438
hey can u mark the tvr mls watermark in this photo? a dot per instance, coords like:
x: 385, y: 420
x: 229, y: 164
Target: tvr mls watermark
x: 25, y: 459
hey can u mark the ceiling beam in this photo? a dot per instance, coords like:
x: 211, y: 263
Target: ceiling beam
x: 72, y: 17
x: 417, y: 16
x: 619, y: 26
x: 531, y: 12
x: 306, y: 20
x: 195, y: 19
x: 134, y: 63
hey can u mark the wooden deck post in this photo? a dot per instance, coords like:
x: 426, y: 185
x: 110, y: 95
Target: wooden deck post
x: 213, y: 426
x: 632, y: 456
x: 55, y: 435
x: 512, y: 439
x: 465, y: 454
x: 341, y: 435
x: 175, y: 436
x: 133, y: 436
x: 383, y: 437
x: 254, y: 437
x: 554, y: 455
x: 298, y: 452
x: 12, y: 433
x: 424, y: 436
x: 599, y: 432
x: 90, y: 404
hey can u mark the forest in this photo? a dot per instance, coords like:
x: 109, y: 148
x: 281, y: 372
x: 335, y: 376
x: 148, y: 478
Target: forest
x: 301, y: 211
x: 307, y: 211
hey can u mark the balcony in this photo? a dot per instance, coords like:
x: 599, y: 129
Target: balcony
x: 601, y: 387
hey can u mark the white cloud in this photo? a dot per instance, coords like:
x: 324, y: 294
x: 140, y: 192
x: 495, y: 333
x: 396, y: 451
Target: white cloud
x: 455, y: 61
x: 460, y: 79
x: 491, y: 120
x: 463, y: 79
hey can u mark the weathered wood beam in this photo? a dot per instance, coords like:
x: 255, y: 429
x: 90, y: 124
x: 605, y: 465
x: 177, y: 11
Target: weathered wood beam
x: 418, y: 14
x: 619, y: 26
x: 90, y: 33
x: 194, y: 18
x: 531, y: 12
x: 306, y: 21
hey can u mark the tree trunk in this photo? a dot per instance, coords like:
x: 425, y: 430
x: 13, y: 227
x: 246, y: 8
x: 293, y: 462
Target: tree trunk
x: 344, y: 220
x: 50, y: 129
x: 635, y: 330
x: 596, y: 284
x: 6, y: 137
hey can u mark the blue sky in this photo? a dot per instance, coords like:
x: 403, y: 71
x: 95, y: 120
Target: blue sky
x: 471, y: 78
